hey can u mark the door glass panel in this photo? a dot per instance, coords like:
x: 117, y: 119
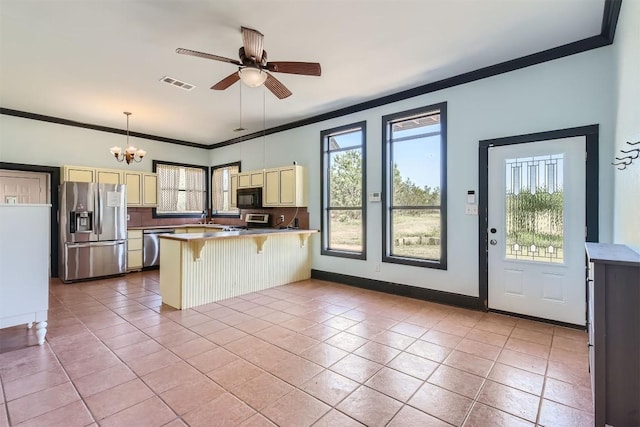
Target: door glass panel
x: 534, y: 208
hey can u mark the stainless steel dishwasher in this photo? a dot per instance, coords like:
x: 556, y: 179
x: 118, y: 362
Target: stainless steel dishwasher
x: 151, y: 245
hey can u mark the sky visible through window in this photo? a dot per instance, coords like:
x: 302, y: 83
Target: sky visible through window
x: 418, y: 159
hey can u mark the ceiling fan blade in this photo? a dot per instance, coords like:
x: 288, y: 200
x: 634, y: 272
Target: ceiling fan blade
x: 252, y: 41
x: 226, y: 82
x: 277, y: 88
x: 206, y: 56
x: 304, y: 68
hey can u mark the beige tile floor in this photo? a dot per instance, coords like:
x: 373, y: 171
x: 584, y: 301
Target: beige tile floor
x: 307, y: 353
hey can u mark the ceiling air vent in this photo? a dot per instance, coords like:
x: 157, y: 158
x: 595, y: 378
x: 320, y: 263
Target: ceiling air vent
x: 177, y: 83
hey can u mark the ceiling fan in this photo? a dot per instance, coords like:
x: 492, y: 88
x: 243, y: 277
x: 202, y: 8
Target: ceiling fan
x: 254, y: 68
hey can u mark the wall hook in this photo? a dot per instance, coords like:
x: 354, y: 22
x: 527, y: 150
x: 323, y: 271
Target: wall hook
x: 627, y: 160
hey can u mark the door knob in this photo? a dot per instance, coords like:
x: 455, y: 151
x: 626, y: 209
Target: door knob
x: 493, y: 242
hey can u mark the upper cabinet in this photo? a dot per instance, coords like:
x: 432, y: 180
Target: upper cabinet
x: 251, y: 179
x: 284, y: 187
x: 234, y: 191
x: 133, y: 180
x: 109, y: 176
x: 78, y: 174
x: 141, y: 186
x: 149, y: 189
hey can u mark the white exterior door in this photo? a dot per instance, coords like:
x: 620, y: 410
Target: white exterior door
x: 536, y: 229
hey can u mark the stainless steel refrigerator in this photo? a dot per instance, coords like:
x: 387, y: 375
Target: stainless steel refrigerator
x: 93, y: 230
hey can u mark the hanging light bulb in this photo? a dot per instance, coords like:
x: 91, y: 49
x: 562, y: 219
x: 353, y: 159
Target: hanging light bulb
x: 252, y: 77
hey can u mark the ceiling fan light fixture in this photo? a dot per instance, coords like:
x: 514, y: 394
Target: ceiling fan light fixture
x: 252, y: 77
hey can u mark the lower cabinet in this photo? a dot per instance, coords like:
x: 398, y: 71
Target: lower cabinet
x: 614, y: 333
x: 134, y: 250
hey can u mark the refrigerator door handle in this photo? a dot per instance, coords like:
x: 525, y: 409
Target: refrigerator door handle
x: 99, y: 212
x: 93, y: 244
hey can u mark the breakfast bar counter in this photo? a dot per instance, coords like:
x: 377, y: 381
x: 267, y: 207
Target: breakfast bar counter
x: 201, y: 268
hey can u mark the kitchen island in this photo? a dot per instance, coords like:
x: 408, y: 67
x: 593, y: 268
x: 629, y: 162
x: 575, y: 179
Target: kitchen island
x: 201, y: 268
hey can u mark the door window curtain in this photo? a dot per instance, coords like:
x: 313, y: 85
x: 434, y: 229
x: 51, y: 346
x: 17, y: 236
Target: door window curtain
x: 169, y: 183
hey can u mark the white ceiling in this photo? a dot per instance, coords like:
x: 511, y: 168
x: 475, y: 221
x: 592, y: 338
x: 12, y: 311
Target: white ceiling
x: 90, y: 60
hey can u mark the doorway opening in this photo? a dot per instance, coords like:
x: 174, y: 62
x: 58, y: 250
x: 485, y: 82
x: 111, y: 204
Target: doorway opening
x: 28, y: 175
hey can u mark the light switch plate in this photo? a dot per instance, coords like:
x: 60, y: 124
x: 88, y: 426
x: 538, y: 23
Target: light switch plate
x: 471, y: 210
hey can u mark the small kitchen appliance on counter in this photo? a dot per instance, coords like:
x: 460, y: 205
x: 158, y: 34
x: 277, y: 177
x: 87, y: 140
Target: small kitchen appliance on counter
x: 253, y: 220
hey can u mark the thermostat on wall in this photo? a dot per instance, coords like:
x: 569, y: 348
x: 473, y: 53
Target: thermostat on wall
x: 374, y: 197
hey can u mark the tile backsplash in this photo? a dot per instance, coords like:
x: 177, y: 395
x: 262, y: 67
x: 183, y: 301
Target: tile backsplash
x: 142, y: 217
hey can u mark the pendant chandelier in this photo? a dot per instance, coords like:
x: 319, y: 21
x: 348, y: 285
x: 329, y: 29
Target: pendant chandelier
x: 131, y: 153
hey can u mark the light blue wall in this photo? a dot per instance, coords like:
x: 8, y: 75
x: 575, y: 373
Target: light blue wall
x: 627, y: 123
x: 569, y: 92
x: 36, y: 142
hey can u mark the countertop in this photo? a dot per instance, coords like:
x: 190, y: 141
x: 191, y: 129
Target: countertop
x: 606, y: 253
x: 190, y: 237
x: 149, y: 227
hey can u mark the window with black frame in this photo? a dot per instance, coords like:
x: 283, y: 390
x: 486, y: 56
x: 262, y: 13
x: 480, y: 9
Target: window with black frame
x: 414, y: 196
x: 343, y: 191
x: 222, y: 199
x: 182, y: 189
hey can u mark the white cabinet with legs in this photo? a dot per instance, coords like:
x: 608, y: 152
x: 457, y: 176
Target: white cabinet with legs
x: 24, y: 266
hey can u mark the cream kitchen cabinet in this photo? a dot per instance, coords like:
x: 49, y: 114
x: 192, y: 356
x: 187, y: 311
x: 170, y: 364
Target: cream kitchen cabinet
x: 149, y: 189
x: 251, y: 179
x: 88, y: 174
x: 284, y: 187
x: 134, y: 250
x: 78, y: 174
x: 133, y: 181
x: 109, y: 176
x: 141, y: 189
x: 234, y: 191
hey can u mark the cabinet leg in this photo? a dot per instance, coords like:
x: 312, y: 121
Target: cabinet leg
x: 41, y: 331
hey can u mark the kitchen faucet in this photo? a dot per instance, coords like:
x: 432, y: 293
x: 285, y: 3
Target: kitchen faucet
x: 203, y: 218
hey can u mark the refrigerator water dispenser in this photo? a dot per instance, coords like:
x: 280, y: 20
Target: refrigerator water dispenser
x: 81, y: 222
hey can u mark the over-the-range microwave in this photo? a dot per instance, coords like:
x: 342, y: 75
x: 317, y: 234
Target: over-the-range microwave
x: 249, y: 198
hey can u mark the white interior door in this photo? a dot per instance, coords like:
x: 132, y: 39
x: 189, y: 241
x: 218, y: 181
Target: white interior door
x: 536, y: 219
x: 17, y: 187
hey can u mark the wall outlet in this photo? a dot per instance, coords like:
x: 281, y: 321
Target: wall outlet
x: 281, y: 218
x: 378, y: 268
x: 128, y: 217
x: 471, y: 209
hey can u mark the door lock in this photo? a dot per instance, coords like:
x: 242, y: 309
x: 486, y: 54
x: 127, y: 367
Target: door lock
x: 493, y: 242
